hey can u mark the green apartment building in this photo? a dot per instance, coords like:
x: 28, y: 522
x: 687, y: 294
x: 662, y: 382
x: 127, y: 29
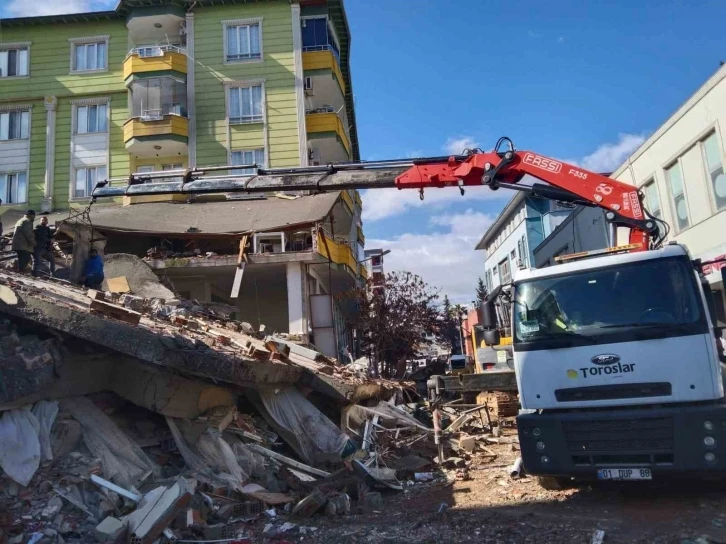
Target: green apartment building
x: 159, y: 85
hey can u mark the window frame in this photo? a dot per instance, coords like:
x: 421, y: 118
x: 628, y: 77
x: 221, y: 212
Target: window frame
x: 74, y: 179
x: 231, y: 86
x: 239, y: 23
x: 503, y: 265
x: 106, y: 104
x: 651, y: 181
x: 19, y: 111
x: 706, y: 168
x: 331, y: 31
x: 242, y: 171
x: 90, y: 40
x: 672, y: 199
x: 17, y: 46
x: 5, y: 200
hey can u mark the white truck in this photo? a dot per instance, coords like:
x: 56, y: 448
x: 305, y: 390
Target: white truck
x: 618, y: 369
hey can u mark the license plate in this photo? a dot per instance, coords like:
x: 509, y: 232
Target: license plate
x: 624, y: 474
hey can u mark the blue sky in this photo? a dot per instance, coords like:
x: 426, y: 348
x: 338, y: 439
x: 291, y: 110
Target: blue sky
x: 583, y: 81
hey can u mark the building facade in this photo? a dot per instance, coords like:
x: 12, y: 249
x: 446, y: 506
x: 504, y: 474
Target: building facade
x: 165, y: 85
x: 374, y: 265
x: 520, y: 227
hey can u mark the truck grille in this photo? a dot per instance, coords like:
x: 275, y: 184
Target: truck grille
x: 612, y: 392
x: 647, y: 435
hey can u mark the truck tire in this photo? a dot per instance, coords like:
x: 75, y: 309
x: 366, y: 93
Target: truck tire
x: 553, y: 483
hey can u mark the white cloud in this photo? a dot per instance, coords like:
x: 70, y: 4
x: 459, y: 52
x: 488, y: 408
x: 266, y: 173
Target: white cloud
x: 454, y: 146
x: 445, y: 260
x: 608, y: 157
x: 382, y: 203
x: 30, y: 8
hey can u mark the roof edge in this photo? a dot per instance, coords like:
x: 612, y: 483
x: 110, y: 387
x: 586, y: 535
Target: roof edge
x: 489, y: 234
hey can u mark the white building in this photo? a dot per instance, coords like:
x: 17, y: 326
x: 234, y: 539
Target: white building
x: 680, y: 169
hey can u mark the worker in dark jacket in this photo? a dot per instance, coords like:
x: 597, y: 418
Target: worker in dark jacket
x: 93, y: 274
x: 43, y: 247
x: 24, y: 239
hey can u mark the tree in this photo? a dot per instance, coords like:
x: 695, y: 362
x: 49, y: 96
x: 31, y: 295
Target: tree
x: 390, y: 320
x: 481, y: 291
x: 451, y: 325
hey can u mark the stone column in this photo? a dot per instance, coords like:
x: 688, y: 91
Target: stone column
x: 51, y: 103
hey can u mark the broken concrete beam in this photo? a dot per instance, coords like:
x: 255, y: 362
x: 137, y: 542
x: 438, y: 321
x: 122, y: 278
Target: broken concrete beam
x: 110, y: 310
x: 111, y: 530
x: 220, y: 417
x: 157, y: 512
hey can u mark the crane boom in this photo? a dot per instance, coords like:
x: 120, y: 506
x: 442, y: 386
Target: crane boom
x: 496, y: 169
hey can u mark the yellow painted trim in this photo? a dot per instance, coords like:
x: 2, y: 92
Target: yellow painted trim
x: 323, y: 60
x: 171, y: 124
x: 364, y: 271
x: 171, y: 60
x: 358, y: 199
x: 361, y: 237
x: 327, y: 122
x: 339, y: 253
x: 348, y: 200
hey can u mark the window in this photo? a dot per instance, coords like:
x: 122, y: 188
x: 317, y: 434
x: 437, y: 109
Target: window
x: 147, y: 169
x: 14, y: 188
x: 167, y: 167
x: 513, y: 255
x: 714, y: 168
x: 652, y: 202
x: 376, y: 260
x: 505, y: 273
x: 245, y: 104
x: 86, y: 179
x: 309, y: 84
x: 153, y: 98
x: 91, y: 118
x: 523, y: 252
x: 14, y: 125
x: 14, y: 62
x: 488, y: 276
x: 243, y: 42
x: 675, y: 180
x: 253, y: 156
x: 318, y: 35
x: 89, y: 56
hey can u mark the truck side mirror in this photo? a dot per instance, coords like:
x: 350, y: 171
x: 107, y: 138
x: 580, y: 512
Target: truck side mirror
x: 488, y: 317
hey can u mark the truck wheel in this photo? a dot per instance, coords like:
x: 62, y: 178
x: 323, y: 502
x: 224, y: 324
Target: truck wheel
x: 553, y: 483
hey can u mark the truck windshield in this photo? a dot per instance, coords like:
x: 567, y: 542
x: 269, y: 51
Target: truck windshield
x: 648, y: 299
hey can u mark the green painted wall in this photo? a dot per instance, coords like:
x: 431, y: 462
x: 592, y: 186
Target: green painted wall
x: 50, y: 61
x: 277, y: 69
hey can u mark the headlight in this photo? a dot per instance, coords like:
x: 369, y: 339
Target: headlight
x: 546, y: 459
x: 710, y: 457
x: 708, y: 425
x: 536, y: 431
x: 709, y: 441
x: 540, y: 445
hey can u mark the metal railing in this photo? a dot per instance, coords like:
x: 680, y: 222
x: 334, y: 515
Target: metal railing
x: 155, y: 51
x: 324, y: 47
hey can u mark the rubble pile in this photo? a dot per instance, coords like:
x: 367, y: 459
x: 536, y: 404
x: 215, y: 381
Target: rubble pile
x: 108, y: 437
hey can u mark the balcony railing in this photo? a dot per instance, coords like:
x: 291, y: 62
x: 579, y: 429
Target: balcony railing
x: 155, y: 51
x: 324, y: 47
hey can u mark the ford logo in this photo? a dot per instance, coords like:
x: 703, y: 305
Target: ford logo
x: 605, y: 359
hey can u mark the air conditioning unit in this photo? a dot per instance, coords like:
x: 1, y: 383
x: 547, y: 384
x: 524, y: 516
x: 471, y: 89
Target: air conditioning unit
x: 308, y: 86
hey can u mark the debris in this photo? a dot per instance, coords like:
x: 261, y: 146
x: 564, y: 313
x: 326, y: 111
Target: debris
x: 288, y: 461
x: 424, y: 476
x: 140, y: 277
x: 385, y: 477
x: 372, y: 501
x: 111, y: 530
x: 115, y: 488
x: 260, y: 493
x: 75, y: 501
x: 116, y: 312
x: 410, y: 463
x: 8, y: 296
x: 20, y: 452
x: 158, y: 509
x: 598, y: 537
x: 52, y: 508
x: 45, y: 412
x: 220, y: 417
x: 517, y: 469
x: 118, y: 285
x: 338, y: 505
x: 309, y: 505
x: 132, y: 302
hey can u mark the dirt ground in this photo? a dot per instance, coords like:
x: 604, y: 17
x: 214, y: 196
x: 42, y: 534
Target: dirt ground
x: 493, y: 508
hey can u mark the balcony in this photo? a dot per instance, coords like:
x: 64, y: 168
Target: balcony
x: 323, y: 58
x: 157, y: 58
x: 328, y: 135
x: 158, y: 125
x: 338, y: 252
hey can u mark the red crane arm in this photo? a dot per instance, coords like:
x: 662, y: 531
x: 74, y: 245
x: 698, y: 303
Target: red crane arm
x: 496, y: 169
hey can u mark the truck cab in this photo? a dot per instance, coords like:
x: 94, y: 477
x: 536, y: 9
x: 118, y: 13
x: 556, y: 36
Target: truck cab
x: 617, y: 368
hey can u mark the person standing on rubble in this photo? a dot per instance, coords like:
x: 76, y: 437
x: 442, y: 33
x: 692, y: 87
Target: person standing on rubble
x: 43, y: 247
x: 93, y: 274
x: 24, y: 240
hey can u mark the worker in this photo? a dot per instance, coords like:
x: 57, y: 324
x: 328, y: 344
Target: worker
x: 93, y: 273
x: 24, y: 240
x: 43, y: 247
